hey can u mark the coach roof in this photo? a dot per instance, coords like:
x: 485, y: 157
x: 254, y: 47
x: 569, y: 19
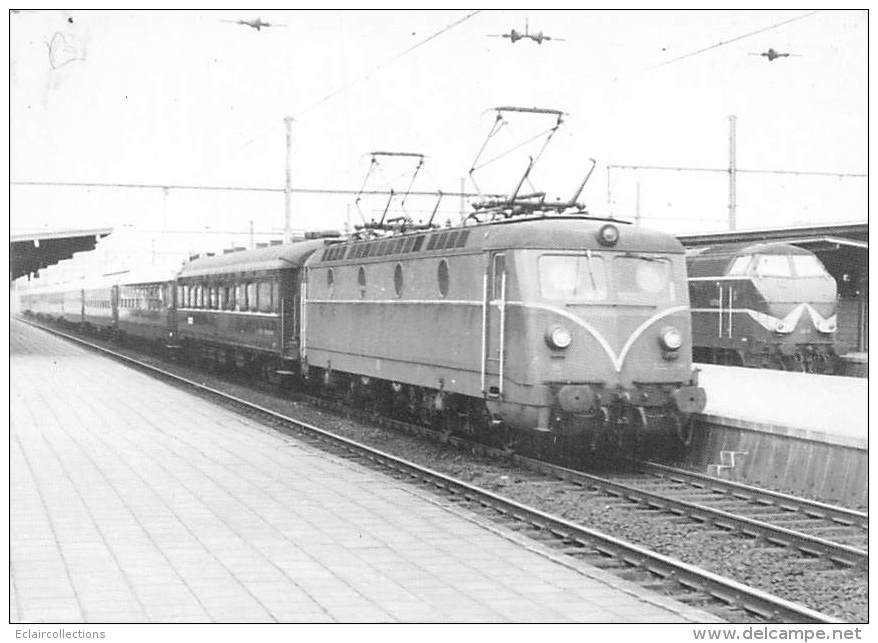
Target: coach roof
x: 289, y: 255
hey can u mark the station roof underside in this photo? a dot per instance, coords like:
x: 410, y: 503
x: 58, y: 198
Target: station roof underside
x: 816, y: 238
x: 32, y: 251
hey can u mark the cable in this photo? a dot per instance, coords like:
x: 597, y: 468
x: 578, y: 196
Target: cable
x: 382, y: 65
x: 726, y: 42
x: 233, y: 188
x: 335, y: 92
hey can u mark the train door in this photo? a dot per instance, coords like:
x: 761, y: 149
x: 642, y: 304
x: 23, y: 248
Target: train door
x: 286, y: 293
x: 494, y: 326
x: 170, y: 290
x: 114, y: 304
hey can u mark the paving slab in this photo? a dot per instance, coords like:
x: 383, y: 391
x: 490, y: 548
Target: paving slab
x: 133, y: 501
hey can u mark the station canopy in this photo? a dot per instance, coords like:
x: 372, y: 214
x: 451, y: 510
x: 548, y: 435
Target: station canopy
x: 32, y: 251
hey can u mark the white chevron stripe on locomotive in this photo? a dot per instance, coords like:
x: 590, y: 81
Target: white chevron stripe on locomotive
x: 787, y: 324
x: 617, y: 360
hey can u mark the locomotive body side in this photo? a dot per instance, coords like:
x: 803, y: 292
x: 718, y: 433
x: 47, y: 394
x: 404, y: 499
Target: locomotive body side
x: 468, y: 316
x: 767, y: 305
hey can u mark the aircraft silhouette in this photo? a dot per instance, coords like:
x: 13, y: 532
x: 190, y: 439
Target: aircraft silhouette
x: 514, y: 36
x: 771, y: 54
x: 256, y: 24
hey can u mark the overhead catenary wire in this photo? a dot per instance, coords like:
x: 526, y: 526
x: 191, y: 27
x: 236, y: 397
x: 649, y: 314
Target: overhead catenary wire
x: 231, y: 188
x: 381, y: 66
x: 368, y: 74
x: 731, y: 40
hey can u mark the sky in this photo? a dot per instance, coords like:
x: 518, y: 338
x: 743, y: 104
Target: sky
x: 194, y: 98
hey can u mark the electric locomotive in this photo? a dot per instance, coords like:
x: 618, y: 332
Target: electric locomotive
x: 563, y: 325
x: 764, y: 305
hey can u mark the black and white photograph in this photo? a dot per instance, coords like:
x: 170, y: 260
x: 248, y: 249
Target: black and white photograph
x: 438, y: 316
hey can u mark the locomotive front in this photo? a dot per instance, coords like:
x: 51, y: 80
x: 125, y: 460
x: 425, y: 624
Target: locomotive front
x: 595, y: 318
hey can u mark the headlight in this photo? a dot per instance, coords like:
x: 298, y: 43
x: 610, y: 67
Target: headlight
x: 608, y: 235
x: 671, y: 339
x: 558, y: 337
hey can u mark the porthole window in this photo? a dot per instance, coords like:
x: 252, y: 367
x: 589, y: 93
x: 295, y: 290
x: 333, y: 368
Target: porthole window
x: 361, y: 279
x: 397, y: 280
x: 442, y: 277
x: 330, y: 278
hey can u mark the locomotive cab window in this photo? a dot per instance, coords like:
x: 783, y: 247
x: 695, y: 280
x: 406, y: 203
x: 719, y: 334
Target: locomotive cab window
x: 582, y: 277
x: 497, y: 281
x: 739, y: 265
x: 773, y: 266
x: 643, y: 278
x: 808, y: 266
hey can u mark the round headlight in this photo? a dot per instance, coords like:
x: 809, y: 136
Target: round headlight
x: 671, y: 339
x: 608, y: 235
x: 558, y: 337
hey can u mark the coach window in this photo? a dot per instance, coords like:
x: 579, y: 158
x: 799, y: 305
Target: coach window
x: 330, y: 279
x: 275, y: 297
x: 442, y: 277
x: 265, y: 296
x: 230, y: 298
x: 361, y: 280
x: 251, y: 297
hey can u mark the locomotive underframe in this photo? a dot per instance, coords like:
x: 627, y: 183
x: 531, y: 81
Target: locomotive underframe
x: 757, y: 347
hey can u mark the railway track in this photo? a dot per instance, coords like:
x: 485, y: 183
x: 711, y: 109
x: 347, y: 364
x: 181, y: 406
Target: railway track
x: 685, y: 582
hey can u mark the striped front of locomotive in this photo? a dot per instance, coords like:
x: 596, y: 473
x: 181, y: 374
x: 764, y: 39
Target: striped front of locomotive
x: 612, y: 323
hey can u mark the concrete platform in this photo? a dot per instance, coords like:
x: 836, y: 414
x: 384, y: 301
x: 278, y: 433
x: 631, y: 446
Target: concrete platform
x: 798, y: 432
x: 132, y: 501
x: 827, y: 408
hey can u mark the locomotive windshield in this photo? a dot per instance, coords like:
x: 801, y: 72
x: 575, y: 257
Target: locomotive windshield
x: 643, y: 279
x: 573, y: 277
x: 775, y: 265
x: 807, y: 266
x: 592, y: 277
